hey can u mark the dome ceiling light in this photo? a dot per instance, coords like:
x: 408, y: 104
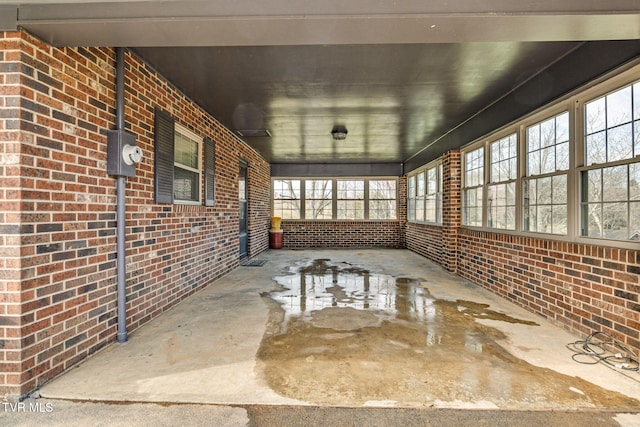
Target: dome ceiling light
x: 339, y: 132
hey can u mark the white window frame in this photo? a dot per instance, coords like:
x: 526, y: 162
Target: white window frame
x: 529, y: 176
x: 473, y: 187
x: 419, y: 201
x: 631, y: 77
x: 181, y: 130
x: 496, y: 183
x: 393, y: 215
x: 334, y: 194
x: 290, y: 200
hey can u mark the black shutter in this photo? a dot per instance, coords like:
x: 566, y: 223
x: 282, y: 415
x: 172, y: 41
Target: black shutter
x: 209, y: 172
x: 164, y: 146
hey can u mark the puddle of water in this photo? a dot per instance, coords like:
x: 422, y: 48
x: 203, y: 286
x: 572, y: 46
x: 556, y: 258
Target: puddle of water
x: 340, y: 334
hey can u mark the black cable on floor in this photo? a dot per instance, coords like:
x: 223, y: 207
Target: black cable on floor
x: 602, y: 347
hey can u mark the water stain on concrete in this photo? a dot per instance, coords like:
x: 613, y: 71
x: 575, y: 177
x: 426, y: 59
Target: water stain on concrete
x: 341, y: 335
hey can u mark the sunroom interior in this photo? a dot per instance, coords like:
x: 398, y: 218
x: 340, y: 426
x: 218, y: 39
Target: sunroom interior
x: 499, y: 141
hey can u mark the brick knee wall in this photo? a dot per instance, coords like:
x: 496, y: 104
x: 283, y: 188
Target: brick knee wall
x: 342, y: 234
x: 585, y: 288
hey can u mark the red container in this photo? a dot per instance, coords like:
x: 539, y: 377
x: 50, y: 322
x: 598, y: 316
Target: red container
x: 275, y: 239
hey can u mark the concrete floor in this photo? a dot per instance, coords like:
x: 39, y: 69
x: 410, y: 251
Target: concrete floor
x: 351, y: 328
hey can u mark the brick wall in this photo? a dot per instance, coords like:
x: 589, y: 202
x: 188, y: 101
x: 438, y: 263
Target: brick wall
x: 586, y: 288
x: 58, y: 207
x: 426, y: 240
x: 10, y: 206
x: 342, y: 234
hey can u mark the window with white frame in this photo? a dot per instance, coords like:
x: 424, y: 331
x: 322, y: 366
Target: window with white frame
x: 472, y: 193
x: 545, y: 185
x: 439, y: 194
x: 431, y: 196
x: 420, y: 196
x: 318, y: 203
x: 186, y: 173
x: 350, y: 199
x: 610, y: 179
x: 382, y: 199
x: 342, y: 198
x: 286, y: 198
x: 411, y: 198
x: 501, y: 192
x: 424, y: 194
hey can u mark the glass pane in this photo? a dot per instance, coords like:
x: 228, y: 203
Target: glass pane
x: 533, y: 163
x: 548, y: 160
x: 430, y: 209
x: 634, y: 181
x: 318, y: 209
x: 420, y: 209
x: 544, y: 219
x: 636, y: 101
x: 473, y: 207
x: 596, y: 149
x: 382, y: 209
x: 615, y: 183
x: 286, y: 189
x: 636, y: 136
x: 432, y: 180
x: 595, y: 116
x: 530, y: 196
x: 634, y: 221
x: 594, y: 186
x: 351, y: 209
x: 544, y: 190
x: 594, y: 220
x: 286, y: 209
x: 412, y: 186
x: 530, y: 218
x: 619, y: 107
x: 559, y: 189
x: 185, y: 185
x: 562, y: 128
x: 186, y: 151
x: 474, y: 167
x: 382, y: 189
x: 547, y: 133
x: 533, y: 138
x: 318, y: 189
x: 351, y: 189
x: 510, y: 189
x: 420, y: 189
x: 503, y: 159
x: 559, y: 219
x: 562, y: 156
x: 411, y: 209
x: 615, y: 221
x: 619, y: 143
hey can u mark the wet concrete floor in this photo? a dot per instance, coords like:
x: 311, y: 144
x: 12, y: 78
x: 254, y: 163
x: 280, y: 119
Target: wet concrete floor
x: 343, y: 335
x: 358, y: 328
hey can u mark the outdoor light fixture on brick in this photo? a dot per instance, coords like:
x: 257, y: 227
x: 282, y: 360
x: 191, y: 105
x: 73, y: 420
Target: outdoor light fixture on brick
x: 339, y: 132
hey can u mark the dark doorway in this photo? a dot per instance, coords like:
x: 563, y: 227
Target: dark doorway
x: 244, y: 209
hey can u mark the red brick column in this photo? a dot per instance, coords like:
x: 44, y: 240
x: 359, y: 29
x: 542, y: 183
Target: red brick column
x: 11, y: 227
x: 451, y: 208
